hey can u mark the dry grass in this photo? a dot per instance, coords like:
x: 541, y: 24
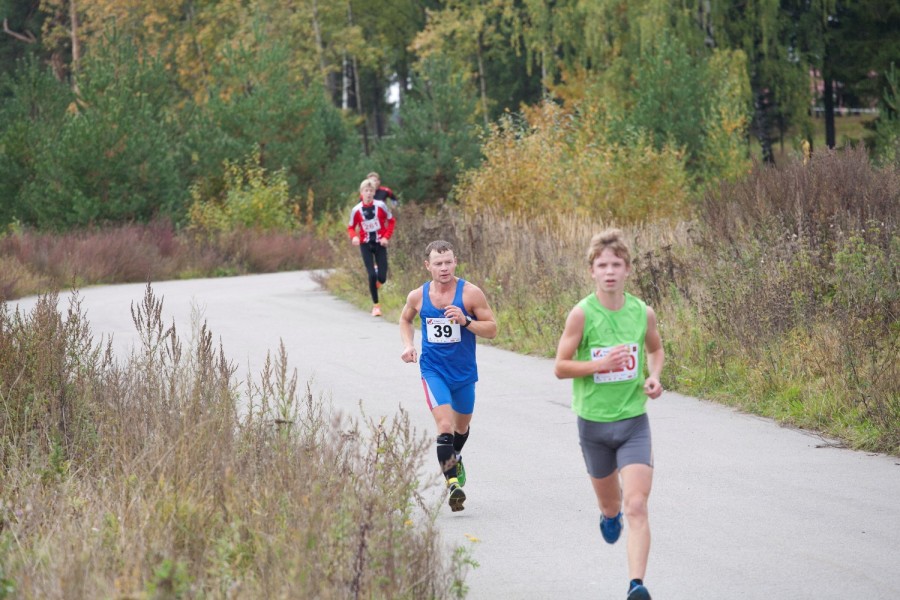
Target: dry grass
x: 38, y: 262
x: 157, y: 477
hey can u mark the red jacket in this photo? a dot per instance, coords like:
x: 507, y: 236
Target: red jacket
x: 371, y: 223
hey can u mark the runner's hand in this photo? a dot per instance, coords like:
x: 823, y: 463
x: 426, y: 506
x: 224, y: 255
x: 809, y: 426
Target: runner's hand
x: 653, y: 388
x: 383, y: 241
x: 355, y: 241
x: 616, y: 360
x: 454, y: 312
x: 409, y: 355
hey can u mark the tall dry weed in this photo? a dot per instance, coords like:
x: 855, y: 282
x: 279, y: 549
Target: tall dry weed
x: 794, y: 258
x: 159, y: 475
x: 532, y: 270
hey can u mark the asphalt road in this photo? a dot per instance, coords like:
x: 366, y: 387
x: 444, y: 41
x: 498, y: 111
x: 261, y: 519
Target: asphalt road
x: 741, y: 508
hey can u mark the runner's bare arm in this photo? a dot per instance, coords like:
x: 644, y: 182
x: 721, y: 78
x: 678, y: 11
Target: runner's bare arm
x: 484, y: 324
x: 407, y: 317
x: 656, y: 356
x: 567, y: 367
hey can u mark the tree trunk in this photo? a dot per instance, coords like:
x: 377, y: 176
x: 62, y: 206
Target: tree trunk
x: 320, y: 49
x: 345, y: 84
x: 828, y: 92
x: 76, y: 43
x: 359, y: 107
x: 761, y: 127
x: 484, y: 102
x: 359, y: 104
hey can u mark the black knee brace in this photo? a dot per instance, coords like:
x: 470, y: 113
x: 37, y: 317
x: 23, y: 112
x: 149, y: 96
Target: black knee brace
x: 446, y: 455
x: 459, y: 440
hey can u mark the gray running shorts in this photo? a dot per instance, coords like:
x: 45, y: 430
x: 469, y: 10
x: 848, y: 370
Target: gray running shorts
x: 610, y: 446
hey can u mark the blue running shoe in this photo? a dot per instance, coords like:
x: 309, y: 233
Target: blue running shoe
x: 638, y: 592
x: 611, y: 528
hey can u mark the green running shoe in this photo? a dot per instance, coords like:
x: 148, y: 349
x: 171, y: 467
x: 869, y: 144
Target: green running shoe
x: 460, y: 471
x: 457, y: 497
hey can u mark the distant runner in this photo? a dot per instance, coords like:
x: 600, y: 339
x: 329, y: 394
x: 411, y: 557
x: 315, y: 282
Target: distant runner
x: 371, y: 226
x: 383, y: 192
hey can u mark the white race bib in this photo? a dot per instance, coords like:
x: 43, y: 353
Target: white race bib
x: 626, y: 374
x: 441, y: 330
x: 370, y: 225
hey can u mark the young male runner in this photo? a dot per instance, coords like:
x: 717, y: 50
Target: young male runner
x: 371, y: 226
x: 602, y: 350
x: 453, y: 312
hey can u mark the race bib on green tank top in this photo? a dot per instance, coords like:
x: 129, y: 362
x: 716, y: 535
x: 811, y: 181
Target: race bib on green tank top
x: 626, y: 374
x: 442, y: 331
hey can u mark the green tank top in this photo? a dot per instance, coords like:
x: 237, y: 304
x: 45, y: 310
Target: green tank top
x: 618, y: 395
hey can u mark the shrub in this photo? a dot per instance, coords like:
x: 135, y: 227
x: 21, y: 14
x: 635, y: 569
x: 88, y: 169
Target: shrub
x: 252, y: 198
x: 551, y: 163
x: 115, y: 156
x: 439, y: 137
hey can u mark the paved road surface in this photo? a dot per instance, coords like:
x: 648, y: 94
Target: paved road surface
x: 741, y: 508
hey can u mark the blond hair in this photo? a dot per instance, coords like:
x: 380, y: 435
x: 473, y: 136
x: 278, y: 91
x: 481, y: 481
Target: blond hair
x: 612, y: 239
x: 366, y: 183
x: 373, y: 174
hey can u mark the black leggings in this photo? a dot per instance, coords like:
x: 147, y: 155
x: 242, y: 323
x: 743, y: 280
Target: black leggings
x: 374, y: 254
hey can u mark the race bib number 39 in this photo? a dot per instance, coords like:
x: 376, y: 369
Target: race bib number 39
x: 626, y: 374
x: 441, y: 330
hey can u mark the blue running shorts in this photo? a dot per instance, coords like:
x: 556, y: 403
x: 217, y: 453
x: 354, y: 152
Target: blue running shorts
x: 437, y: 393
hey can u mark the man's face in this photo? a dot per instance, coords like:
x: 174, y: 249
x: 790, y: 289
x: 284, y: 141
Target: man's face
x: 441, y: 265
x: 367, y: 194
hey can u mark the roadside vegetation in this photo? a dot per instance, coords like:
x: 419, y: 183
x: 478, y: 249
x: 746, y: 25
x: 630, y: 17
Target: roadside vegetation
x: 139, y: 143
x: 778, y: 293
x: 250, y: 226
x: 160, y: 475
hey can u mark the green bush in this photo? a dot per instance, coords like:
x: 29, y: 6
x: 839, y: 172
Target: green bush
x: 259, y: 104
x: 438, y: 137
x: 695, y: 102
x: 115, y: 156
x: 32, y: 113
x: 252, y: 199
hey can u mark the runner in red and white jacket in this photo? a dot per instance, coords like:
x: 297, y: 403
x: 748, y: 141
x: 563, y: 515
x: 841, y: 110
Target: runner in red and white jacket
x: 371, y: 226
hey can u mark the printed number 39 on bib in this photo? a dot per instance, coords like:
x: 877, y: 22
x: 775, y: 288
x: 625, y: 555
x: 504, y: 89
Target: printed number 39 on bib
x: 626, y: 374
x: 442, y: 331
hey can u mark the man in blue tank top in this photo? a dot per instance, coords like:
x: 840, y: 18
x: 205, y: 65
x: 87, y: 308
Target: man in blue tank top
x: 453, y: 311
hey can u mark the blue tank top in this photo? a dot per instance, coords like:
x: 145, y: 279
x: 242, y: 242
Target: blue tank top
x: 448, y: 350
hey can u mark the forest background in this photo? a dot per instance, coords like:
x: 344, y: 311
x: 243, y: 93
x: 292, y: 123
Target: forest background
x: 751, y: 152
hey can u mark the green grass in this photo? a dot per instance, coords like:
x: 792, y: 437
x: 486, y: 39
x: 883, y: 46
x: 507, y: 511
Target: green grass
x: 849, y: 129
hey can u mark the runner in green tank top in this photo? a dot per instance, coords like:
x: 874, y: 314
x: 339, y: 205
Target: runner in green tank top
x: 602, y: 349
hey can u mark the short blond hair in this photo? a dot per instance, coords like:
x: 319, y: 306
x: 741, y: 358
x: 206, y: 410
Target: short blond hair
x: 373, y: 175
x: 366, y: 183
x: 609, y: 238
